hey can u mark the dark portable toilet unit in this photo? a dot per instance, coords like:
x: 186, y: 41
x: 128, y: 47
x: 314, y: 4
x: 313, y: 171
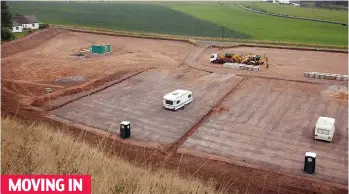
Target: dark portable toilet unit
x: 125, y: 129
x: 309, y: 162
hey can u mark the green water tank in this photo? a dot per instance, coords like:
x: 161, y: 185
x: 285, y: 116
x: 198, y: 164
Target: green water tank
x: 108, y: 48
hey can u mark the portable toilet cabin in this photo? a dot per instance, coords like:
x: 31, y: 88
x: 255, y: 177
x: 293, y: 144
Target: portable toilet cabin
x: 325, y: 128
x: 97, y: 49
x: 108, y: 48
x: 125, y: 129
x: 309, y: 162
x: 101, y: 48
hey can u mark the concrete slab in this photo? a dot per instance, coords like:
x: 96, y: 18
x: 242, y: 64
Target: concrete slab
x: 139, y: 100
x: 270, y: 123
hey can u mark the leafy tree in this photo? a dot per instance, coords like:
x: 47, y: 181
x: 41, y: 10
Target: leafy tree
x: 6, y: 16
x: 6, y: 22
x: 6, y: 34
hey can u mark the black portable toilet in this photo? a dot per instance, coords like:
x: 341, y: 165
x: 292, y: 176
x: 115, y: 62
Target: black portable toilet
x: 309, y: 162
x: 125, y: 129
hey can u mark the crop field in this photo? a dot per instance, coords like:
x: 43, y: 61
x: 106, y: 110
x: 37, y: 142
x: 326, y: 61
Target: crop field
x: 122, y: 16
x: 314, y: 13
x: 263, y: 27
x: 192, y: 19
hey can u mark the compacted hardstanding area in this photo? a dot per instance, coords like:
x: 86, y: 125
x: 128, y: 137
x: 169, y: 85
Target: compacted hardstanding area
x: 270, y: 123
x: 139, y: 100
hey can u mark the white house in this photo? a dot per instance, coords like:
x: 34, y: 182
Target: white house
x: 21, y: 23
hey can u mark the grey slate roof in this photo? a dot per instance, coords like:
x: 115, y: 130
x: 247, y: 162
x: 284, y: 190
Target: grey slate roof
x: 29, y: 19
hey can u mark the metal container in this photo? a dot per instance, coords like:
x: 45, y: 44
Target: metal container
x: 339, y: 77
x: 333, y: 76
x: 322, y: 76
x: 256, y: 68
x: 312, y: 74
x: 316, y: 74
x: 306, y: 74
x: 327, y: 76
x: 247, y: 67
x: 345, y: 78
x: 98, y: 49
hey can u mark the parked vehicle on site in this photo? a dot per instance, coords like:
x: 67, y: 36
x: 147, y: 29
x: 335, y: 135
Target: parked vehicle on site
x: 325, y: 128
x: 255, y: 60
x: 226, y: 58
x: 177, y: 99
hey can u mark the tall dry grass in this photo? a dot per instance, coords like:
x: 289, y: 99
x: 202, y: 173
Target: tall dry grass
x: 38, y: 149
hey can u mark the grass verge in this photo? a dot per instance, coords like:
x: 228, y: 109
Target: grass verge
x: 41, y: 149
x: 20, y: 34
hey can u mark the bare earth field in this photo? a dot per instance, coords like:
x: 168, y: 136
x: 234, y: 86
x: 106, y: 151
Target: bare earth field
x: 286, y: 64
x: 40, y: 66
x: 270, y: 123
x: 255, y: 129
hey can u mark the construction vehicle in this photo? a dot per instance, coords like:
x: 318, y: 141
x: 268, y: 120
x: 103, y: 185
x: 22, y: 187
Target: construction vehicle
x: 226, y: 58
x: 83, y: 52
x: 255, y: 60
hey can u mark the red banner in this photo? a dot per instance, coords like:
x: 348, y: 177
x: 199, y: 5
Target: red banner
x: 32, y: 184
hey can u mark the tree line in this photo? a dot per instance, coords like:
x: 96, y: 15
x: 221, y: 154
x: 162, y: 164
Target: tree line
x: 6, y: 23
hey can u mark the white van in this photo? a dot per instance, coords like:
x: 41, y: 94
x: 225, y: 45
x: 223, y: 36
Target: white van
x: 325, y: 128
x: 177, y: 99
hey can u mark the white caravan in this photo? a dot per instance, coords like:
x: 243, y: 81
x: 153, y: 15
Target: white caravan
x: 177, y: 99
x: 325, y: 128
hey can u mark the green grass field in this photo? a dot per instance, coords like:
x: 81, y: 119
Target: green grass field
x: 315, y: 13
x: 179, y: 18
x: 122, y: 16
x: 20, y: 34
x: 263, y: 27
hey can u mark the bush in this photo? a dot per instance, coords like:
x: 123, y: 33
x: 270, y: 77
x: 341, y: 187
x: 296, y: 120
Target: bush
x: 6, y: 34
x: 43, y: 26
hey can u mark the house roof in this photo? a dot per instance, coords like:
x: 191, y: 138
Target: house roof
x: 16, y: 23
x: 27, y: 19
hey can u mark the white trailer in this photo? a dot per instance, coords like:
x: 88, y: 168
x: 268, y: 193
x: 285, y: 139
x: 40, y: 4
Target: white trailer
x: 177, y: 99
x: 325, y: 128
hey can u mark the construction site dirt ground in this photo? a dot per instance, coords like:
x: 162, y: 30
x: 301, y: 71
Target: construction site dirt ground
x: 28, y: 73
x: 284, y: 63
x: 271, y: 123
x: 263, y: 123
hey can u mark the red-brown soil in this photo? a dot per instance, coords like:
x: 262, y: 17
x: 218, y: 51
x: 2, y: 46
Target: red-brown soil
x: 35, y: 62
